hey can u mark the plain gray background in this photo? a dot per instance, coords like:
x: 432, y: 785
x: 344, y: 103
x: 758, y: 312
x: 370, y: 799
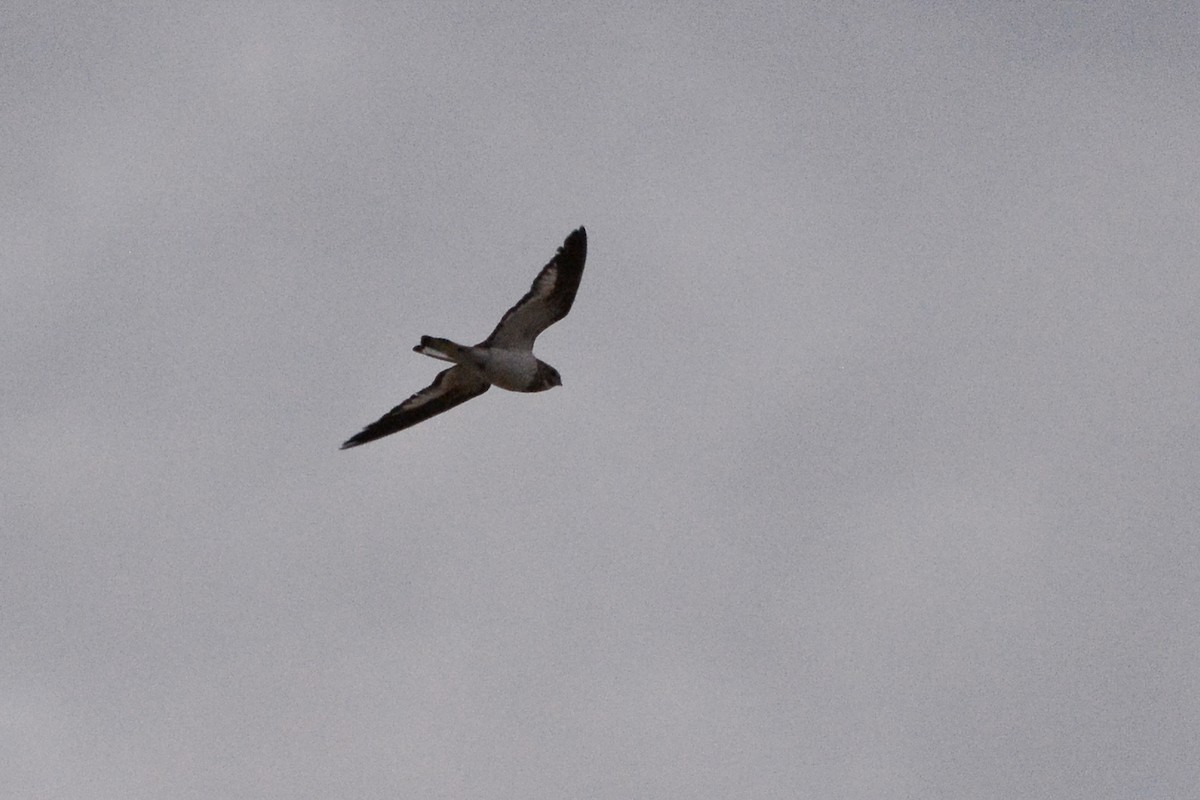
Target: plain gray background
x: 875, y: 470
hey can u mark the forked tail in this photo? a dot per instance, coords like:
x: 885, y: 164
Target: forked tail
x: 441, y: 349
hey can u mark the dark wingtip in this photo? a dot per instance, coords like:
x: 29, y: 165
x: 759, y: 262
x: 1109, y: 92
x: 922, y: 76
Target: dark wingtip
x: 357, y: 439
x: 576, y: 242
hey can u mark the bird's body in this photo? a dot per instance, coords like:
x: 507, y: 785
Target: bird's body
x: 506, y: 367
x: 504, y: 359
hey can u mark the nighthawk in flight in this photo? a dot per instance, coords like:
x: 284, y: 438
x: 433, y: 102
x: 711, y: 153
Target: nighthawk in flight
x: 504, y: 359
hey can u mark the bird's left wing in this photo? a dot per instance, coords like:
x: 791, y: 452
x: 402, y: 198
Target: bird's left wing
x: 450, y: 388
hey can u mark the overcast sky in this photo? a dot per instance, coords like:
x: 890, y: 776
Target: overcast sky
x: 874, y: 473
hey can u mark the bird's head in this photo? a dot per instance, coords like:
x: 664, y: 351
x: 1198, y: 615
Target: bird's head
x: 547, y: 377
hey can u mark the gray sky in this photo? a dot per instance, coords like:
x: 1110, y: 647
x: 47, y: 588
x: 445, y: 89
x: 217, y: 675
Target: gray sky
x: 875, y: 469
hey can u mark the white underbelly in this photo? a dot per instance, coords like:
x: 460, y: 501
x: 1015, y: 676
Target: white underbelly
x: 510, y: 369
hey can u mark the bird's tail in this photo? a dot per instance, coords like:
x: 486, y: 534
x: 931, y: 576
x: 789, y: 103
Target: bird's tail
x: 441, y: 349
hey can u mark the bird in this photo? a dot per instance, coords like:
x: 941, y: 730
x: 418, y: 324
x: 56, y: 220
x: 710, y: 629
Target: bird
x: 504, y: 359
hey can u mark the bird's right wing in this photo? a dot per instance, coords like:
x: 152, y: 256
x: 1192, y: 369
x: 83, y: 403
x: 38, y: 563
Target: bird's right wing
x: 547, y: 301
